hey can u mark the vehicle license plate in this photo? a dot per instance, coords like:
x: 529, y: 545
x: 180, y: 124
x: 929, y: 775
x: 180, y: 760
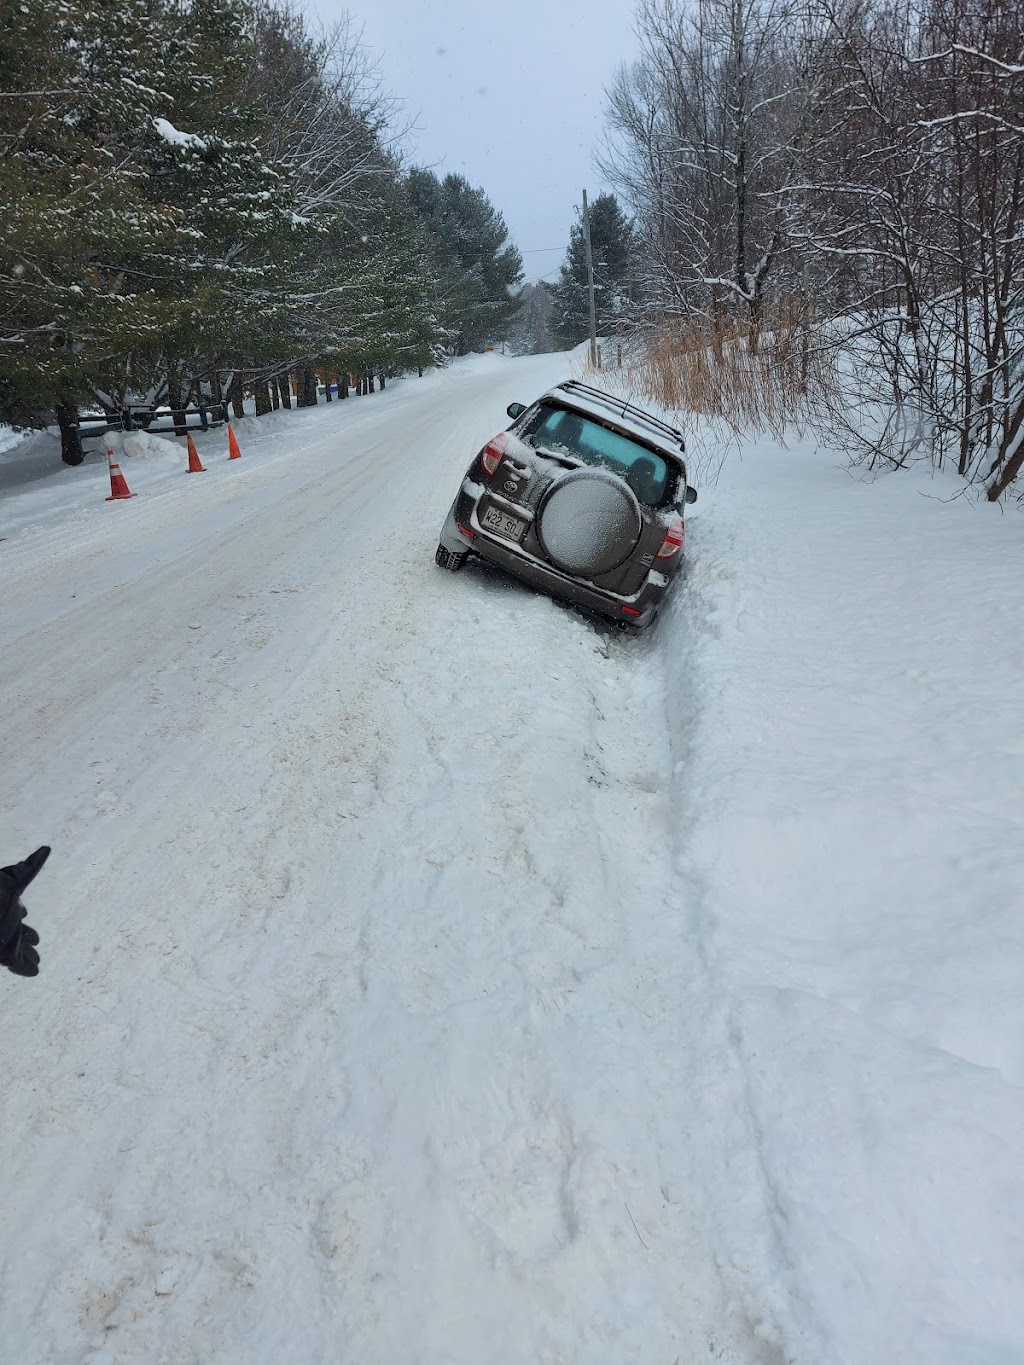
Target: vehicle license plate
x: 503, y: 524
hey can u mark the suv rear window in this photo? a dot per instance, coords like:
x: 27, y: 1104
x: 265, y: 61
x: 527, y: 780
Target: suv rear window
x: 559, y: 429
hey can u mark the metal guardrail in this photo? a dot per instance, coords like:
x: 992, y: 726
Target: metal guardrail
x: 174, y: 421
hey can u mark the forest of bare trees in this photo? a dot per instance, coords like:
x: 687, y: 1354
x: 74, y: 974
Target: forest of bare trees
x: 828, y: 200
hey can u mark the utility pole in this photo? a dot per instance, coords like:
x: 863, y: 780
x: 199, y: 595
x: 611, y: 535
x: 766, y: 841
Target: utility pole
x: 590, y: 283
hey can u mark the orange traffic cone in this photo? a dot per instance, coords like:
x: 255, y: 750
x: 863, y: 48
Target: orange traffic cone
x: 118, y: 485
x: 233, y: 452
x: 195, y: 465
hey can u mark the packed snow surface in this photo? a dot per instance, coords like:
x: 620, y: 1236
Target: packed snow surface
x: 431, y: 975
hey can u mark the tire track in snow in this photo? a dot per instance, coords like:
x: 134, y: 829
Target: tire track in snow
x: 758, y: 1282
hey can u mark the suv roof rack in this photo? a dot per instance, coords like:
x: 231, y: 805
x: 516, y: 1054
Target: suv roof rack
x: 623, y: 408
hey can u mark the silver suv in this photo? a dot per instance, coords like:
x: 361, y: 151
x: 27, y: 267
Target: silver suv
x: 583, y: 497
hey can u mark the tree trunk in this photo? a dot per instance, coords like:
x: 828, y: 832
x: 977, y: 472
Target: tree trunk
x: 175, y: 404
x: 381, y: 378
x: 309, y: 382
x: 70, y: 440
x: 261, y: 393
x: 284, y: 391
x: 1012, y: 452
x: 328, y: 381
x: 369, y: 383
x: 236, y: 395
x: 298, y: 388
x: 343, y: 385
x: 755, y: 318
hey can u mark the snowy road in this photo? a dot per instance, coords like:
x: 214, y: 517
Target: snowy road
x: 359, y: 1036
x: 433, y: 978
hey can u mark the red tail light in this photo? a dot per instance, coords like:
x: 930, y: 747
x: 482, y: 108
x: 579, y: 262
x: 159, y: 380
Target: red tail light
x: 674, y: 537
x: 490, y: 456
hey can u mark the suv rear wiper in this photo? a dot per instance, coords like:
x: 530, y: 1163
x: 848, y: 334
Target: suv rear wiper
x: 563, y: 457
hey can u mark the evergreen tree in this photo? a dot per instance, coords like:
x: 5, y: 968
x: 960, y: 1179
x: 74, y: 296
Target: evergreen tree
x: 476, y: 264
x: 611, y: 236
x: 370, y: 309
x: 81, y: 87
x: 191, y: 192
x: 354, y: 287
x: 217, y: 162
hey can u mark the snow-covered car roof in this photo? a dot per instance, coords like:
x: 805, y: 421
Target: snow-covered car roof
x: 628, y: 418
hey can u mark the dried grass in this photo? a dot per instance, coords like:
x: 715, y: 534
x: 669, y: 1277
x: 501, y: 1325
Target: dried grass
x: 761, y: 380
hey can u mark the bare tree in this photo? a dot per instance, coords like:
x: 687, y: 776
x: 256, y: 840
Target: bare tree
x: 854, y: 168
x: 705, y: 129
x: 913, y: 192
x: 333, y: 118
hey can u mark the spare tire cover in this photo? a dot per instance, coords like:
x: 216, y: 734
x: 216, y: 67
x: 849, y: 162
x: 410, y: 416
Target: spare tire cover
x: 589, y: 522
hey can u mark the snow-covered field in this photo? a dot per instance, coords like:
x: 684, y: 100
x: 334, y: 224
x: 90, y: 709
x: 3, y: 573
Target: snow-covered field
x: 431, y: 976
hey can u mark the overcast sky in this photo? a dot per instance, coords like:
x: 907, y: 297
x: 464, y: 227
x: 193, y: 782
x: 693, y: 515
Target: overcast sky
x: 507, y: 93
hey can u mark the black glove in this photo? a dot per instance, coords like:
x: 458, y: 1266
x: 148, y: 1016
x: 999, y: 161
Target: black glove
x: 17, y: 940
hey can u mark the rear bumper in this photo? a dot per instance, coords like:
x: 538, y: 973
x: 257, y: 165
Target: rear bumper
x: 637, y: 610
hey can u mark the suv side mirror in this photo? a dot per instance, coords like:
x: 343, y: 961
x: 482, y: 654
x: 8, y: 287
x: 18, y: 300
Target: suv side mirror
x: 515, y: 409
x: 691, y: 494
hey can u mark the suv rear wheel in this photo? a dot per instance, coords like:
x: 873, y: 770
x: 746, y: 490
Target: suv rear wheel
x: 450, y: 559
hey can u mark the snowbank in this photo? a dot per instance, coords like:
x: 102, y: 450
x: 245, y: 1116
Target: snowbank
x: 10, y: 438
x: 850, y: 779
